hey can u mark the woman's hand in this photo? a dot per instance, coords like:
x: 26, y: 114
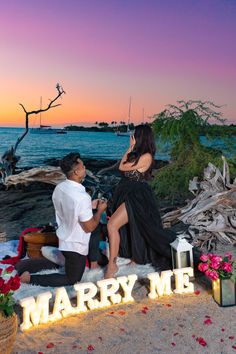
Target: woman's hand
x: 132, y: 141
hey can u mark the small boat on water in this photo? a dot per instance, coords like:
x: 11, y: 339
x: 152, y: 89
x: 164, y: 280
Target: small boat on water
x: 46, y: 129
x: 128, y: 132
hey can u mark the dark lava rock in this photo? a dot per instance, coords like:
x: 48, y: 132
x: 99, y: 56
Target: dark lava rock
x: 22, y: 208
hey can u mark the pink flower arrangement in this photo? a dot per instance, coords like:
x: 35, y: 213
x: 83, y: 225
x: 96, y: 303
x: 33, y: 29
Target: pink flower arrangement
x: 217, y: 267
x: 9, y: 282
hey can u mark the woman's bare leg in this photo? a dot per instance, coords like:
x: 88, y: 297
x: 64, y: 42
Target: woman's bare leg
x: 118, y: 219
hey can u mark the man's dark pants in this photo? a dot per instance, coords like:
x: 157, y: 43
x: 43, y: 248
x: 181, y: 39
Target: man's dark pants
x: 74, y: 265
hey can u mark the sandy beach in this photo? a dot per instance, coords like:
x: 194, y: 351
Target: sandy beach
x: 171, y: 324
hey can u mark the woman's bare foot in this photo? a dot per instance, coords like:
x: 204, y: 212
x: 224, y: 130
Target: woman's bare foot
x: 25, y: 277
x: 111, y: 271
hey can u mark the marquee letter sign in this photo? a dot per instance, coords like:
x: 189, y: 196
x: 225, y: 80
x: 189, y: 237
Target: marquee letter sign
x: 36, y: 312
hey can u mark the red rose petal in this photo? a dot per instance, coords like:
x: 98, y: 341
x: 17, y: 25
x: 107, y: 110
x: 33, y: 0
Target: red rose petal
x: 201, y: 341
x: 122, y: 312
x: 222, y: 329
x: 222, y: 340
x: 90, y: 347
x: 208, y: 321
x: 9, y: 269
x: 175, y: 334
x: 144, y: 311
x: 197, y: 292
x: 50, y: 345
x: 40, y: 352
x: 173, y: 344
x: 145, y: 308
x: 193, y: 336
x: 231, y: 337
x: 234, y: 347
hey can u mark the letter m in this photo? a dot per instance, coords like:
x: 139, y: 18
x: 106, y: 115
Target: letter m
x: 35, y: 312
x: 160, y: 285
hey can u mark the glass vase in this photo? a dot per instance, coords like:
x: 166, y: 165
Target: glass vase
x: 224, y: 291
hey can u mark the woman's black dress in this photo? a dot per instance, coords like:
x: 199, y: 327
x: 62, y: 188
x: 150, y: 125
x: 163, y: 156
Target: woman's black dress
x: 143, y: 239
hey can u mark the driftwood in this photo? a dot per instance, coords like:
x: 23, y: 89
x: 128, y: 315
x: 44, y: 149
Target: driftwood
x: 47, y: 174
x: 211, y: 215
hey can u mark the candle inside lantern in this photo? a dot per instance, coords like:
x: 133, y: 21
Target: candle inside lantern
x: 185, y: 259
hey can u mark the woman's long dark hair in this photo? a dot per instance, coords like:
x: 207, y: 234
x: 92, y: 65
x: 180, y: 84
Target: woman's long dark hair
x: 144, y: 142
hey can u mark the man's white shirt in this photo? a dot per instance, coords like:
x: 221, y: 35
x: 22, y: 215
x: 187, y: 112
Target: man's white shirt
x: 72, y: 204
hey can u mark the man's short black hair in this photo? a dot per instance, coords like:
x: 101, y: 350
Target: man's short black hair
x: 68, y: 162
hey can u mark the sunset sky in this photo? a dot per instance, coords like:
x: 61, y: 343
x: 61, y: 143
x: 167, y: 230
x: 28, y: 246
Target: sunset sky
x: 104, y: 51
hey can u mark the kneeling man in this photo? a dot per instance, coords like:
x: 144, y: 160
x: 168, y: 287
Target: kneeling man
x: 75, y: 220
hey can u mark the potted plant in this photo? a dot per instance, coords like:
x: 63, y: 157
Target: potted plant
x: 9, y: 282
x: 221, y: 271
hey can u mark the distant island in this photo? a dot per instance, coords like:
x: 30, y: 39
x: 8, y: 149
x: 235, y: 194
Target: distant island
x: 101, y: 127
x: 229, y: 130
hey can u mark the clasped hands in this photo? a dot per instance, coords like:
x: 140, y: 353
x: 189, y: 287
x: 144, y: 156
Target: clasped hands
x: 99, y: 204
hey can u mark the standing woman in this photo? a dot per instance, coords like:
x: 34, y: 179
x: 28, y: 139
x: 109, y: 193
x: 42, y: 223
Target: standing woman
x: 135, y: 228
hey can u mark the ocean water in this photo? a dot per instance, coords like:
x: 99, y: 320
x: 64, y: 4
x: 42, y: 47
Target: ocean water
x: 36, y: 148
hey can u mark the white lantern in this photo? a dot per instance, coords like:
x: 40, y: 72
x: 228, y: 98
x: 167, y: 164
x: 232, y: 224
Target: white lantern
x: 182, y: 253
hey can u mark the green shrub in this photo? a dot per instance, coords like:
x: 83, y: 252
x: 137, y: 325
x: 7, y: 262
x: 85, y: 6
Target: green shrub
x: 181, y: 126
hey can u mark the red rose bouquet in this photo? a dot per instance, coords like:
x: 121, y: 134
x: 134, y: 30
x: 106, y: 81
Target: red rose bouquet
x: 9, y: 282
x: 217, y: 267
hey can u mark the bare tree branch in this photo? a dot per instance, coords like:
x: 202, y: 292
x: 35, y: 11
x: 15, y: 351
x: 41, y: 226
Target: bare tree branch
x: 9, y: 158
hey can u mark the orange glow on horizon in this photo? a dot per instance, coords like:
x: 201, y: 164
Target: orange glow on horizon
x: 71, y: 111
x: 80, y: 107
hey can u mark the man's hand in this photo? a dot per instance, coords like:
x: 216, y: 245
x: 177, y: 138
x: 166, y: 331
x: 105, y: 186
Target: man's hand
x: 90, y: 225
x: 95, y: 203
x: 101, y: 206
